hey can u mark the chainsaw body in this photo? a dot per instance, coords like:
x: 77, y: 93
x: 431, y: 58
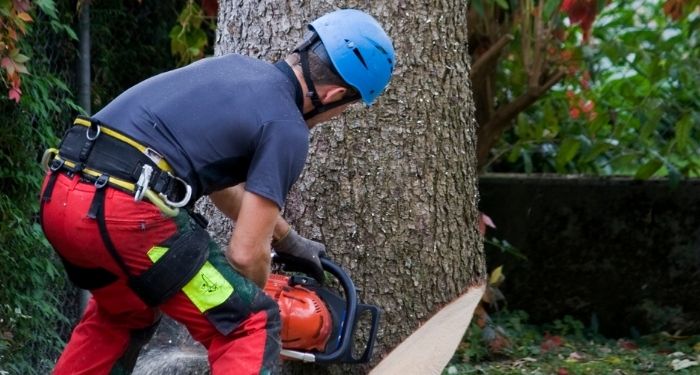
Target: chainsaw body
x: 319, y: 322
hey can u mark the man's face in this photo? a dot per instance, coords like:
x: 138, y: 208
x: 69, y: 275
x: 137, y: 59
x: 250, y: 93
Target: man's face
x: 325, y: 116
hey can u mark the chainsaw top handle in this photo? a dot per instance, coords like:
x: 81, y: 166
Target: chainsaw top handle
x: 348, y: 325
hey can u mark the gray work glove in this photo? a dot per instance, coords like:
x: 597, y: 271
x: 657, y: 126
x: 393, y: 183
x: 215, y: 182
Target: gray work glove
x: 299, y: 254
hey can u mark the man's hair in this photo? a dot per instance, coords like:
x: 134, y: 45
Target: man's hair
x: 322, y: 73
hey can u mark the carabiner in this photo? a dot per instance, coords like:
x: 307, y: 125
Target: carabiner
x: 143, y: 182
x: 49, y: 154
x: 183, y: 202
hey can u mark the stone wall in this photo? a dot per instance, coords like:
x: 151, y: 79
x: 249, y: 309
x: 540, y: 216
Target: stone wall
x: 621, y: 253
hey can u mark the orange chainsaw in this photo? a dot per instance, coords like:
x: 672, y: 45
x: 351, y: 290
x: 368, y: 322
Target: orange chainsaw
x: 319, y: 322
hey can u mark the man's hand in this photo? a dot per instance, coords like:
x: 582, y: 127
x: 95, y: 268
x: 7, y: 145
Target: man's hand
x: 300, y: 254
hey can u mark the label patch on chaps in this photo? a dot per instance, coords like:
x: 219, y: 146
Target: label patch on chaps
x: 173, y: 267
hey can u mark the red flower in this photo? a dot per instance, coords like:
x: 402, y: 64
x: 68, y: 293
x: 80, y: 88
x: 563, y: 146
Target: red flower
x: 587, y: 106
x: 15, y: 94
x: 581, y: 12
x: 210, y: 7
x: 674, y: 9
x: 627, y: 345
x: 551, y: 342
x: 574, y: 112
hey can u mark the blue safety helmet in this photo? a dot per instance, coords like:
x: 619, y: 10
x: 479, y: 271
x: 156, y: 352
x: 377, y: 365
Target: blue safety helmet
x: 360, y: 50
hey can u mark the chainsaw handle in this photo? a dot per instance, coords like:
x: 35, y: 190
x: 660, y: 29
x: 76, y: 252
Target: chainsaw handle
x: 374, y: 326
x: 348, y: 324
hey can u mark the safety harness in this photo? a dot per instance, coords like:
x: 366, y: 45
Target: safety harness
x: 313, y: 43
x: 106, y: 157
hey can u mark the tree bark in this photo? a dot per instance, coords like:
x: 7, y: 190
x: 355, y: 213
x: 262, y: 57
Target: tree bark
x: 391, y: 190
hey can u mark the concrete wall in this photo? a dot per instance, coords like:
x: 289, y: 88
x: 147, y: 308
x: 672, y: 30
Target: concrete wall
x: 622, y: 252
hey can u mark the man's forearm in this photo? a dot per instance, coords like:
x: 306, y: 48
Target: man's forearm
x: 228, y: 201
x: 257, y: 271
x: 249, y: 248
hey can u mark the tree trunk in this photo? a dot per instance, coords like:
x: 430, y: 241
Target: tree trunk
x: 391, y: 190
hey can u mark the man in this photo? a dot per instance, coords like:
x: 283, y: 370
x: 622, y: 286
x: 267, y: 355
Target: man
x: 116, y: 202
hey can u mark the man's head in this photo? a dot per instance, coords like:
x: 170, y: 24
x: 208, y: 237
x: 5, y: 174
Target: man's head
x: 347, y: 56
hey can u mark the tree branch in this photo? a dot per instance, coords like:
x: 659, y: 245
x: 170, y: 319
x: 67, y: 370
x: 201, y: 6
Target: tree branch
x: 503, y: 116
x: 488, y: 56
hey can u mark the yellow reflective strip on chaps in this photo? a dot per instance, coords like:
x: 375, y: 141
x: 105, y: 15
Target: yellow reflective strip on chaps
x: 207, y: 289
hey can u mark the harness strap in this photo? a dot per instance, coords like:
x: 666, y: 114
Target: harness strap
x: 92, y: 149
x: 319, y: 107
x: 116, y: 154
x: 97, y: 208
x: 48, y: 190
x: 90, y: 143
x: 92, y: 175
x: 306, y: 70
x: 152, y: 154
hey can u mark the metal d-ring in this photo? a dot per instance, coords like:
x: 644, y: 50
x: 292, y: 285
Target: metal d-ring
x: 87, y: 133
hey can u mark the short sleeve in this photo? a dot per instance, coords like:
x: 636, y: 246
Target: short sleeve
x: 278, y: 159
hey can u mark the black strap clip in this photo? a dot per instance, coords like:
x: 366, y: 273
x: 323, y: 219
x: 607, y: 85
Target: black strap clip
x: 57, y: 164
x: 101, y: 181
x: 78, y: 168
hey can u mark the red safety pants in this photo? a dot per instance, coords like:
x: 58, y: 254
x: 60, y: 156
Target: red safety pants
x: 240, y: 332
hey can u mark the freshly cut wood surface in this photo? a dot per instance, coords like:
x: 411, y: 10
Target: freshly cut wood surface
x: 429, y: 348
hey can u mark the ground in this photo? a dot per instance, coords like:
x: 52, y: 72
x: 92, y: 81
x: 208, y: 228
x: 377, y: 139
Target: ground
x: 568, y: 347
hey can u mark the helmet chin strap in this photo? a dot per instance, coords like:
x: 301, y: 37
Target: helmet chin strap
x: 318, y: 106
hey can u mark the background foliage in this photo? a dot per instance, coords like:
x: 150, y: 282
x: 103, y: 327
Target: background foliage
x: 138, y: 44
x: 32, y: 319
x: 36, y: 313
x: 629, y: 104
x: 614, y: 96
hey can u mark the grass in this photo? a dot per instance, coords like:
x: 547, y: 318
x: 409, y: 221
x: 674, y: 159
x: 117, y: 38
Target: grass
x: 566, y: 347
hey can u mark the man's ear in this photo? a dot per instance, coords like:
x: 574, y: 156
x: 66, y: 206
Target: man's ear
x: 333, y: 93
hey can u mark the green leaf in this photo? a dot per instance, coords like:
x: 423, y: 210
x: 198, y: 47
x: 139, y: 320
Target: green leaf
x: 194, y: 51
x: 598, y: 122
x: 648, y: 169
x: 502, y: 3
x: 550, y: 121
x: 56, y: 26
x: 522, y: 127
x: 674, y: 175
x: 648, y: 129
x: 527, y: 161
x: 175, y: 32
x: 683, y: 128
x: 479, y: 7
x: 597, y: 149
x: 549, y: 7
x: 5, y: 5
x: 21, y: 68
x: 601, y: 4
x: 48, y: 7
x: 568, y: 149
x: 20, y: 58
x: 515, y: 152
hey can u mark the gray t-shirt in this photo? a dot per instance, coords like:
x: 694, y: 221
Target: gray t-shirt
x: 219, y: 122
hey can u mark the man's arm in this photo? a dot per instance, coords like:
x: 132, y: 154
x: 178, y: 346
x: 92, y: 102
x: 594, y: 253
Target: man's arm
x: 236, y: 203
x: 249, y: 248
x: 229, y: 201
